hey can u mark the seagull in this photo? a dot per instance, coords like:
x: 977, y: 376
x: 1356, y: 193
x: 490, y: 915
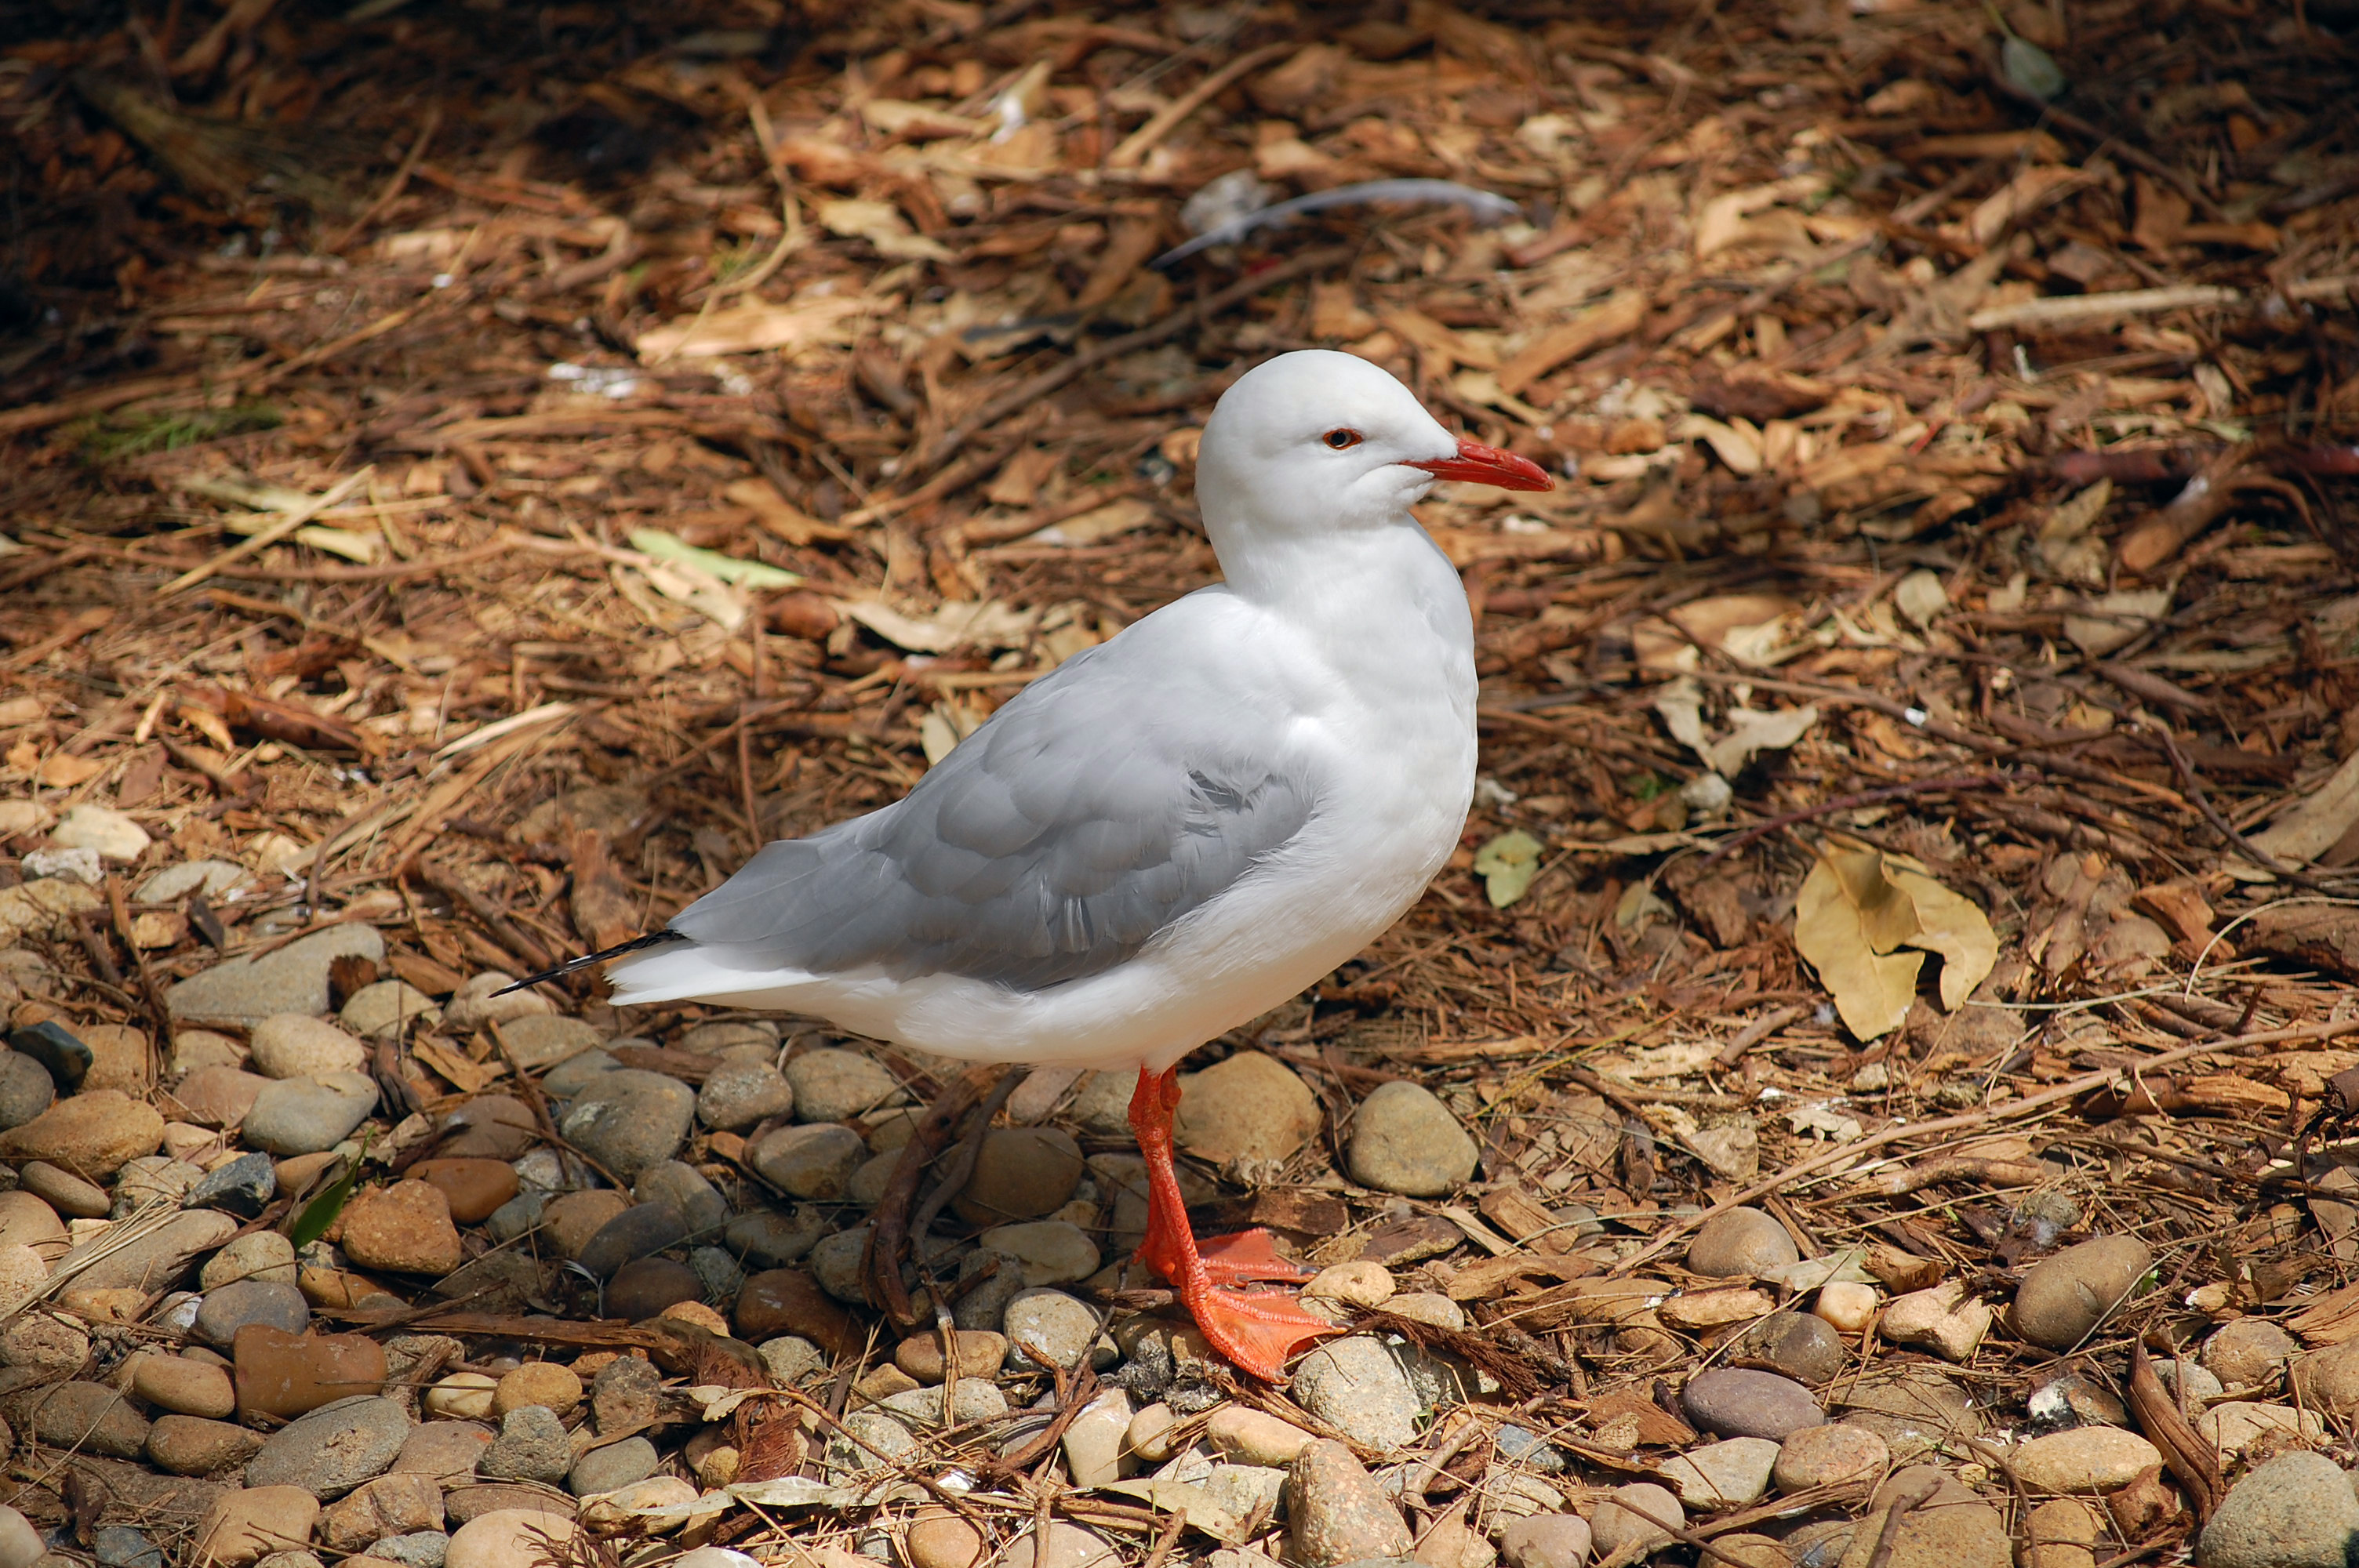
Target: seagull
x: 1170, y: 833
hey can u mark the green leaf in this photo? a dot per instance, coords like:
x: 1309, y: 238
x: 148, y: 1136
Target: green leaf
x: 1507, y: 865
x: 321, y: 1211
x: 728, y: 568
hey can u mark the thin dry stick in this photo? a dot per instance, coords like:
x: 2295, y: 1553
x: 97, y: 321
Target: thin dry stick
x: 270, y: 535
x: 393, y: 187
x: 2066, y: 1090
x: 1139, y: 142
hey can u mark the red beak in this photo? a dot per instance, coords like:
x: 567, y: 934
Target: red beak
x: 1478, y: 464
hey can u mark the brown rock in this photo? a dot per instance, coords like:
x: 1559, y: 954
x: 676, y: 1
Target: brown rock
x: 1251, y: 1106
x: 446, y: 1450
x: 217, y: 1096
x: 538, y: 1383
x: 286, y: 1375
x: 120, y: 1058
x: 254, y: 1523
x: 1020, y: 1173
x: 1336, y: 1511
x: 570, y: 1219
x: 473, y: 1187
x: 26, y: 1221
x: 405, y: 1228
x: 88, y: 1417
x: 390, y: 1505
x: 464, y: 1505
x: 511, y: 1538
x: 491, y: 1127
x: 183, y: 1386
x: 645, y: 1287
x: 64, y: 1192
x: 938, y: 1538
x: 191, y: 1446
x: 979, y: 1352
x: 92, y: 1134
x: 787, y: 1301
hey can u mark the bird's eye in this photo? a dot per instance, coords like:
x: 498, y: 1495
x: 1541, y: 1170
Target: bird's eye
x: 1341, y: 440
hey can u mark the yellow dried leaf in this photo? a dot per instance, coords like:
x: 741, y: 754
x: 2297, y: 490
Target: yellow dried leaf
x: 1864, y: 921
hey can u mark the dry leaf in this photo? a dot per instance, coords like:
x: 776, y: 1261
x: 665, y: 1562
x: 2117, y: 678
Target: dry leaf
x: 1864, y: 921
x: 2315, y: 823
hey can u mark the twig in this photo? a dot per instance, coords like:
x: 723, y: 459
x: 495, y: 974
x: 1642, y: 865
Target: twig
x: 394, y: 186
x: 270, y: 536
x: 1165, y: 120
x: 1850, y: 802
x: 2221, y: 824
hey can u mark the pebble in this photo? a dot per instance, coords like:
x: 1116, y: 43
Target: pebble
x: 93, y: 1135
x: 2248, y: 1352
x: 26, y: 1221
x: 2059, y: 1534
x: 46, y: 1343
x: 1149, y: 1435
x: 294, y: 978
x: 628, y: 1119
x: 1650, y: 1507
x: 195, y: 1445
x: 571, y: 1219
x: 1056, y: 1328
x: 1092, y: 1442
x: 531, y: 1447
x: 305, y: 1115
x: 508, y: 1538
x: 1728, y: 1473
x: 194, y: 1048
x: 1068, y: 1546
x: 1336, y: 1511
x: 218, y: 1097
x: 837, y: 1086
x: 1827, y: 1455
x: 114, y: 1545
x: 984, y: 1304
x: 540, y: 1041
x: 1357, y: 1385
x: 477, y: 1001
x: 979, y: 1355
x: 244, y: 1188
x: 2084, y: 1459
x: 473, y: 1189
x: 1545, y: 1541
x: 63, y: 1191
x: 112, y: 833
x: 286, y: 1375
x: 258, y: 1255
x: 420, y: 1549
x: 385, y: 1009
x: 738, y: 1096
x: 812, y: 1160
x: 231, y: 1307
x: 242, y: 1527
x: 211, y: 878
x: 684, y: 1187
x: 463, y: 1504
x: 462, y: 1396
x: 405, y: 1228
x: 2063, y: 1298
x: 538, y: 1383
x: 772, y: 1239
x: 1803, y: 1346
x: 611, y: 1467
x: 153, y: 1180
x: 573, y: 1075
x: 25, y: 1089
x: 634, y: 1233
x: 87, y: 1416
x: 787, y: 1301
x: 1251, y: 1107
x: 446, y: 1450
x: 397, y: 1503
x: 297, y: 1045
x: 1737, y: 1401
x: 1951, y: 1529
x: 520, y: 1216
x: 941, y: 1539
x: 645, y: 1287
x: 1743, y: 1243
x: 1944, y: 1319
x: 1405, y: 1141
x: 791, y: 1359
x: 1102, y: 1106
x: 1358, y: 1284
x: 1053, y: 1251
x: 23, y: 1271
x: 1020, y: 1173
x: 489, y: 1128
x: 2235, y: 1425
x: 333, y: 1449
x: 2296, y: 1510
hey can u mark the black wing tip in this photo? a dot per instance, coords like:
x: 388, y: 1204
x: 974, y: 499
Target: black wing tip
x: 652, y: 939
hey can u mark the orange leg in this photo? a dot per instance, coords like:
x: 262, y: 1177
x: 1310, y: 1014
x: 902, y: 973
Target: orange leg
x: 1255, y: 1329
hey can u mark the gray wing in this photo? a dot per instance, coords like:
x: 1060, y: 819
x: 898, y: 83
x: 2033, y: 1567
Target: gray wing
x: 1050, y: 846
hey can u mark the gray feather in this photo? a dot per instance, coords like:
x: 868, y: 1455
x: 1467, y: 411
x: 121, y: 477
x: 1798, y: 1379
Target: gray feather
x: 1050, y: 846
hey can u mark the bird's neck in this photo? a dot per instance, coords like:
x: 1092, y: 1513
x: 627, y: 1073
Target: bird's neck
x: 1380, y: 581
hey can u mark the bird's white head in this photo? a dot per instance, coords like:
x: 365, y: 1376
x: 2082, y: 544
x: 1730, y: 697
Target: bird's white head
x: 1318, y: 442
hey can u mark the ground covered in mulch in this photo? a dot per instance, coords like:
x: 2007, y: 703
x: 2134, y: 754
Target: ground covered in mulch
x: 483, y: 470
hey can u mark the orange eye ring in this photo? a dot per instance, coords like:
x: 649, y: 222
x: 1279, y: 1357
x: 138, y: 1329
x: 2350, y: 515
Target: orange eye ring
x: 1341, y: 439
